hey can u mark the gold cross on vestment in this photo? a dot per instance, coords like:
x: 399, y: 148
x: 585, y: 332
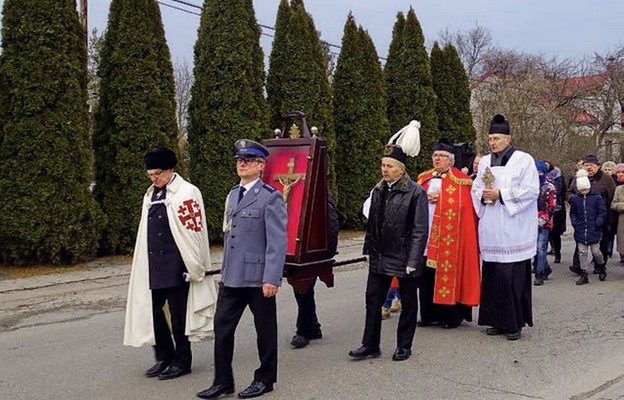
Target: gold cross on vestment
x: 289, y: 179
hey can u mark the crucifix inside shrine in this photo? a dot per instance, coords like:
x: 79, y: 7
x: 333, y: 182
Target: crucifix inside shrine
x: 289, y: 179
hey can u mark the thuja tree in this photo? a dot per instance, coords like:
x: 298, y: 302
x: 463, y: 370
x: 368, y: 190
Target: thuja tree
x: 416, y: 99
x: 227, y: 99
x: 136, y: 113
x: 47, y: 213
x: 304, y: 83
x: 360, y: 118
x: 451, y: 86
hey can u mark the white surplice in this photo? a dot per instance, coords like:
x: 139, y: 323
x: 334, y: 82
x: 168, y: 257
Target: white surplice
x: 508, y: 228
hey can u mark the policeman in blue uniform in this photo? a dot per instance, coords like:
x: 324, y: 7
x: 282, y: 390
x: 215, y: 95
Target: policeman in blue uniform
x: 253, y: 262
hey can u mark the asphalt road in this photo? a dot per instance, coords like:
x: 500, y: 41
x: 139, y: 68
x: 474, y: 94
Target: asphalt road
x: 60, y: 338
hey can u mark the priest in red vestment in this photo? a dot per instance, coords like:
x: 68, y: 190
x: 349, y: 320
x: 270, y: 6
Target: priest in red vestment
x: 451, y: 280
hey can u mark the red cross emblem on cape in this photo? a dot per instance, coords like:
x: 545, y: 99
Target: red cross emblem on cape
x: 190, y: 215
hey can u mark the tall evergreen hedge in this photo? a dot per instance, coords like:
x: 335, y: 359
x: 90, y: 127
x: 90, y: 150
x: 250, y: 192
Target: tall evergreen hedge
x: 304, y: 83
x: 136, y: 113
x: 415, y: 98
x: 394, y: 87
x: 360, y: 118
x: 452, y: 89
x: 227, y: 100
x: 47, y: 214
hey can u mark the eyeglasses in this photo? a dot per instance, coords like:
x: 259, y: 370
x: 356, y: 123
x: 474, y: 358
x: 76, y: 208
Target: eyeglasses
x: 246, y: 161
x: 439, y: 156
x: 154, y: 174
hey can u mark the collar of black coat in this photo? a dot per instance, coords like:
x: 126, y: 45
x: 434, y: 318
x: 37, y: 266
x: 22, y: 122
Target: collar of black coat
x: 401, y: 184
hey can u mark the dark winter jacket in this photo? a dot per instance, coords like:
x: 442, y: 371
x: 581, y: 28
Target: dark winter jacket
x: 399, y: 240
x: 588, y: 215
x: 602, y: 184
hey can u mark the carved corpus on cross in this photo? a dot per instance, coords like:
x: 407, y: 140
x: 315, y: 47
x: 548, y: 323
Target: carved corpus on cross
x: 289, y: 179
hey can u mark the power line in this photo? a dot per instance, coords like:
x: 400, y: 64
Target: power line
x: 177, y: 8
x: 186, y: 3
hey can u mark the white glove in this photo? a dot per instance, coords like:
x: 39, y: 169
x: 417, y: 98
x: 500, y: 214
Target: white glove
x: 409, y: 270
x: 186, y: 276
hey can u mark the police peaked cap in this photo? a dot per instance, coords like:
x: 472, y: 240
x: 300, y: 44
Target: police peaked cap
x: 248, y: 148
x: 160, y: 158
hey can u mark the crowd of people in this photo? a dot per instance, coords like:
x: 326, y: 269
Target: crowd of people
x: 453, y: 239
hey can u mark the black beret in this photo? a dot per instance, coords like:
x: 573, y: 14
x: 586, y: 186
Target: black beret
x: 160, y: 158
x: 592, y: 159
x: 443, y: 145
x: 499, y: 125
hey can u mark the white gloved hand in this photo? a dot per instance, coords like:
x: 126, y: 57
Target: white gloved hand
x: 186, y: 276
x: 409, y: 270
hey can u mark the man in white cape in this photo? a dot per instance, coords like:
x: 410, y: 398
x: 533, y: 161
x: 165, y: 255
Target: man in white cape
x: 504, y: 195
x: 171, y: 257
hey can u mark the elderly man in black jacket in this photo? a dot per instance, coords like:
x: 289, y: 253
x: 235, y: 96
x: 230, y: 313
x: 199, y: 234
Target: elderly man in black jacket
x: 395, y: 241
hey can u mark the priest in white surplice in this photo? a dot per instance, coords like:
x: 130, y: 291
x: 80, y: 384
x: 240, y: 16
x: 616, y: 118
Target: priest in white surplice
x: 507, y: 232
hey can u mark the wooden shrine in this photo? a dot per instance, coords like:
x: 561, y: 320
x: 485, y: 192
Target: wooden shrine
x: 297, y: 167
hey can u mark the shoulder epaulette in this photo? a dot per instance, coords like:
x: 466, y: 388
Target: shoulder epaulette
x: 268, y: 187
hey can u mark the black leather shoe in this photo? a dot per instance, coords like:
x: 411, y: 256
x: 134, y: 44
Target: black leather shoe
x: 173, y: 372
x: 157, y: 368
x: 299, y: 342
x: 451, y: 326
x: 215, y: 391
x: 256, y: 389
x: 495, y: 331
x: 424, y: 324
x: 363, y: 352
x: 514, y: 335
x: 401, y: 354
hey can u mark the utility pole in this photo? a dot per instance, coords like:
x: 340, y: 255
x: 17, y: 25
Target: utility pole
x: 84, y: 18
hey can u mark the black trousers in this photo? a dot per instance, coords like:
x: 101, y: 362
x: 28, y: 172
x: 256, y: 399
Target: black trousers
x: 307, y: 320
x: 180, y: 353
x: 230, y: 306
x: 376, y: 291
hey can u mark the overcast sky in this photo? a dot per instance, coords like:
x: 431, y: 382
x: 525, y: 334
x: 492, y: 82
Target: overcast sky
x: 562, y: 28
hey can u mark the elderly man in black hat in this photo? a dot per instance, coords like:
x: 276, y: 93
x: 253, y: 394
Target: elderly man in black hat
x: 504, y: 195
x: 251, y: 274
x: 396, y: 235
x: 170, y: 260
x: 604, y: 185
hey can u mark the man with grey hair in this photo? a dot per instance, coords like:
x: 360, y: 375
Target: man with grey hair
x: 451, y: 279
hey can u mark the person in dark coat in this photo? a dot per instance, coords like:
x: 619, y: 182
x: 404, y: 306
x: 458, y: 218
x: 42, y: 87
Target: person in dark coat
x: 588, y: 215
x: 396, y: 236
x: 308, y: 326
x: 559, y: 219
x: 602, y: 184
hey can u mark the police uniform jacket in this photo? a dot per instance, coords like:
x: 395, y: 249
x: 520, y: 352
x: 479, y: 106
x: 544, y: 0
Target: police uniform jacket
x: 255, y: 237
